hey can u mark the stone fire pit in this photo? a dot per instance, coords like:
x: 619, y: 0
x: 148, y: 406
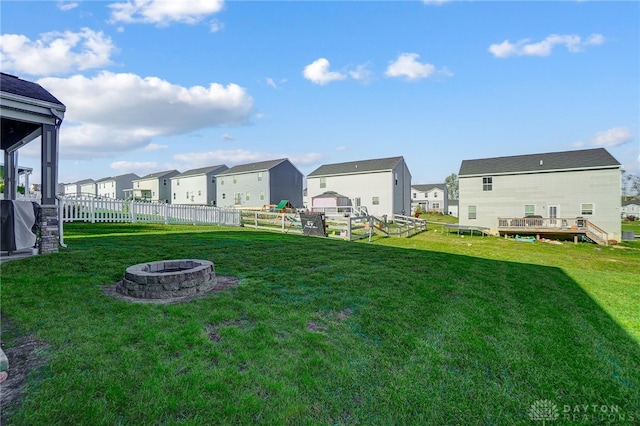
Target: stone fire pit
x: 167, y: 279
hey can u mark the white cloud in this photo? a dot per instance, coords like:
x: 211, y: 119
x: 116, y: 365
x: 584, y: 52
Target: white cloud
x: 162, y: 12
x: 228, y: 138
x: 215, y: 26
x: 435, y: 2
x: 318, y: 72
x: 271, y: 82
x: 615, y: 136
x: 525, y: 47
x: 407, y: 66
x: 64, y: 5
x: 341, y: 148
x: 55, y: 52
x: 113, y: 113
x: 233, y: 157
x: 140, y: 168
x: 155, y: 147
x: 361, y: 73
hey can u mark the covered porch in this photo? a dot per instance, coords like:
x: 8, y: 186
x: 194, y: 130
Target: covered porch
x: 29, y: 112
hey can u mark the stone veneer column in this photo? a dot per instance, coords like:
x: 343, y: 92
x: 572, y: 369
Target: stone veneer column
x: 49, y: 233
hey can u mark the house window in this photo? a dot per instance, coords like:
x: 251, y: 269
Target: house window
x: 199, y: 192
x: 586, y: 209
x: 111, y: 184
x: 174, y: 195
x: 323, y: 182
x: 487, y: 183
x: 247, y: 196
x: 396, y: 178
x: 137, y: 184
x: 529, y: 210
x: 237, y: 198
x: 435, y: 195
x: 261, y: 195
x: 259, y: 176
x: 435, y: 205
x: 164, y: 182
x: 213, y: 179
x: 221, y: 181
x: 415, y: 195
x: 187, y: 195
x: 375, y: 200
x: 177, y: 182
x: 472, y: 212
x: 235, y: 179
x: 224, y: 196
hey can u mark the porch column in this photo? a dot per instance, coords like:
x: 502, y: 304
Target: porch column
x: 49, y: 164
x: 49, y: 226
x: 10, y: 175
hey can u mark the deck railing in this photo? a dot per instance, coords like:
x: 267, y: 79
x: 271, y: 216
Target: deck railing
x: 553, y: 225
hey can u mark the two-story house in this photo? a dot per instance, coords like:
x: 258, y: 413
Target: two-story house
x: 256, y: 185
x: 154, y: 186
x: 381, y: 185
x: 566, y: 191
x: 115, y: 186
x: 196, y: 186
x: 433, y: 198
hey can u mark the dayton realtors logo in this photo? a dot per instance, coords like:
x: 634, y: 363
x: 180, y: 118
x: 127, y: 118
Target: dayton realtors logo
x: 545, y: 410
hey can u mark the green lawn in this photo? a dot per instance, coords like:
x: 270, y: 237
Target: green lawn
x: 432, y: 330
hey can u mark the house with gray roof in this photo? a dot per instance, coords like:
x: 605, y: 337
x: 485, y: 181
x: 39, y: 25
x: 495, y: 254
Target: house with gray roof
x: 432, y: 197
x: 154, y: 186
x: 80, y: 188
x: 381, y: 185
x: 116, y: 187
x: 631, y: 208
x: 256, y: 185
x: 196, y: 186
x: 575, y: 192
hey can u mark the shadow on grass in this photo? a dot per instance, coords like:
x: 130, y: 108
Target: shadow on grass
x: 318, y: 332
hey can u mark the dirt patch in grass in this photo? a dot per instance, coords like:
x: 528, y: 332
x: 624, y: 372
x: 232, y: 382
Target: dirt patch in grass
x: 224, y: 283
x: 26, y: 354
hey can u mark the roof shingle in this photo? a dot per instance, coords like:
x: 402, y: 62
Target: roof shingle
x: 363, y: 166
x: 544, y: 162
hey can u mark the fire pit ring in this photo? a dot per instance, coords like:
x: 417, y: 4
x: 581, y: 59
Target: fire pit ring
x: 167, y: 279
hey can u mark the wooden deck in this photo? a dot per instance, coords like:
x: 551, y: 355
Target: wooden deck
x: 553, y: 226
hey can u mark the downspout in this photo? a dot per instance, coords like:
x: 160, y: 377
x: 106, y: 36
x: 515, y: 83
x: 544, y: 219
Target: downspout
x: 59, y: 117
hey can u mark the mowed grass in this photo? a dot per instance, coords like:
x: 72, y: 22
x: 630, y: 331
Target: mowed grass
x: 436, y: 329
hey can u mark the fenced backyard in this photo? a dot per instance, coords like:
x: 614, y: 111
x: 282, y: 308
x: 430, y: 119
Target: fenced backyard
x: 86, y: 209
x: 434, y: 329
x: 342, y: 226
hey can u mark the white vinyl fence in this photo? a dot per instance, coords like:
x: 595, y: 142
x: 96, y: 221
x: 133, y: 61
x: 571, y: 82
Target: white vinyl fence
x: 110, y: 210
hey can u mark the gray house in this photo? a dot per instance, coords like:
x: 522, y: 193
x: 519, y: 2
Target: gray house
x: 576, y: 192
x: 381, y: 185
x: 154, y: 186
x: 84, y: 187
x: 432, y: 197
x: 255, y: 185
x: 196, y: 186
x: 115, y: 186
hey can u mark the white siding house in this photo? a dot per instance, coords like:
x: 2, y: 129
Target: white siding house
x: 154, y: 187
x: 631, y: 208
x: 431, y: 197
x: 81, y: 187
x: 114, y: 186
x: 256, y: 185
x: 382, y: 185
x: 581, y: 184
x: 196, y: 186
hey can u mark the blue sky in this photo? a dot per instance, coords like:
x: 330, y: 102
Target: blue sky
x: 152, y: 86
